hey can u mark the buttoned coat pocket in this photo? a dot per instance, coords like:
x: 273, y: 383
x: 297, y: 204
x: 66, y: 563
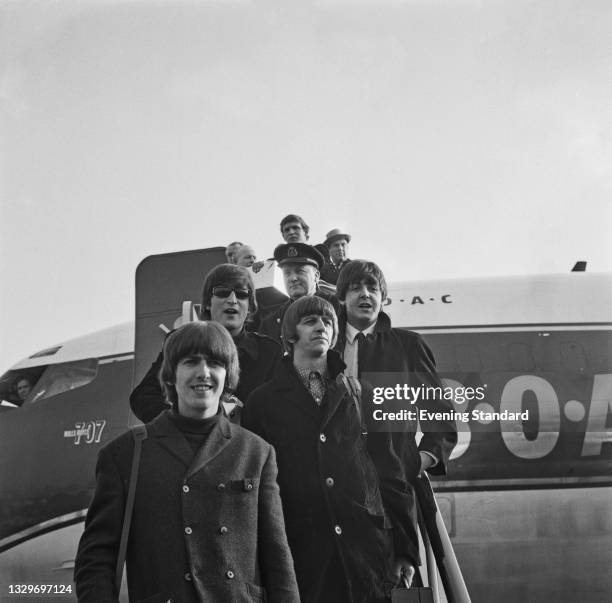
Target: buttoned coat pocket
x: 258, y: 593
x: 245, y: 485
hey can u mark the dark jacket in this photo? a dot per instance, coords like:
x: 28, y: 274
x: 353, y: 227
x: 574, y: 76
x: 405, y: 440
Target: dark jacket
x: 257, y: 355
x: 348, y: 509
x: 204, y: 528
x: 330, y: 271
x: 398, y: 350
x: 271, y: 324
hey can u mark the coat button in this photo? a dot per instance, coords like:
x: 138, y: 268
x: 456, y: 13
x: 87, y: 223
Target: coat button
x: 188, y: 577
x: 232, y: 413
x: 323, y: 437
x: 248, y: 486
x: 185, y: 488
x: 229, y: 574
x: 222, y: 530
x: 188, y: 530
x: 338, y: 530
x: 329, y: 482
x: 221, y: 487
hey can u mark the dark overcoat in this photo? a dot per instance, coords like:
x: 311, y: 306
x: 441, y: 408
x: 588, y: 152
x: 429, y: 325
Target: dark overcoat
x: 270, y: 324
x: 330, y: 271
x: 344, y: 495
x: 204, y: 528
x: 398, y: 350
x: 257, y: 356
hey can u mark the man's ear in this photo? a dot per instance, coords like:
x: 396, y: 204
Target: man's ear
x: 317, y: 275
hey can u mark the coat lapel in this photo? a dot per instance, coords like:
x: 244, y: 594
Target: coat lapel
x: 289, y: 386
x: 216, y: 441
x: 169, y: 437
x: 336, y: 391
x: 335, y: 395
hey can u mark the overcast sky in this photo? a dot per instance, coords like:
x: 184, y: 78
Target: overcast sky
x: 451, y: 138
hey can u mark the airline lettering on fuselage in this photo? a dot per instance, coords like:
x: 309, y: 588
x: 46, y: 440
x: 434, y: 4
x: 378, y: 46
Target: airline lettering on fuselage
x: 419, y: 299
x: 88, y: 432
x: 552, y: 418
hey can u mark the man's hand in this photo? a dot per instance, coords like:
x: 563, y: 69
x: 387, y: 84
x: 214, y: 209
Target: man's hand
x: 427, y: 461
x: 403, y: 567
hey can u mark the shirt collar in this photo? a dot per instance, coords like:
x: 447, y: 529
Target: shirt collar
x: 304, y: 373
x: 351, y: 331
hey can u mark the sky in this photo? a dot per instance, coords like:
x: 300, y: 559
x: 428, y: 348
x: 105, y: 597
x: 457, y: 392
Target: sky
x: 452, y: 139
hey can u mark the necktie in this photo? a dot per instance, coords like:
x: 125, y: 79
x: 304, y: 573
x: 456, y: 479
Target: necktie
x: 362, y: 346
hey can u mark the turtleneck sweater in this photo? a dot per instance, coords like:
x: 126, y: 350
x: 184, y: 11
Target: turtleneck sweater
x: 195, y: 431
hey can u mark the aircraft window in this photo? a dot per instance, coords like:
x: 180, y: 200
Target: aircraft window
x: 599, y: 346
x: 494, y: 356
x: 445, y: 358
x: 16, y: 387
x: 521, y: 358
x: 573, y: 356
x: 7, y: 405
x: 60, y: 378
x: 548, y: 352
x: 45, y: 382
x: 468, y: 360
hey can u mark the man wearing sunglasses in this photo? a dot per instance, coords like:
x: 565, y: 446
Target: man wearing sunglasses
x: 228, y: 297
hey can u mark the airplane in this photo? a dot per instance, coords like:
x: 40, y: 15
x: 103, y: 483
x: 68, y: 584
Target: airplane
x: 527, y: 505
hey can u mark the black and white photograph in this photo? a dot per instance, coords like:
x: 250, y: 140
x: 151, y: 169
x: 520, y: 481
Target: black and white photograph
x: 306, y: 301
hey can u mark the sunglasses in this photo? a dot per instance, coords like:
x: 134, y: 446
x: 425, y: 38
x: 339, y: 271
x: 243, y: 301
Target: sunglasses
x: 225, y: 292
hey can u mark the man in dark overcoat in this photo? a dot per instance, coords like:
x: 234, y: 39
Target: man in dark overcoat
x: 207, y: 523
x: 301, y: 266
x: 349, y: 511
x: 369, y: 344
x: 336, y: 243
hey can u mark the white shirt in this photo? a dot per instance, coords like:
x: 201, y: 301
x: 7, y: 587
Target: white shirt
x: 350, y: 354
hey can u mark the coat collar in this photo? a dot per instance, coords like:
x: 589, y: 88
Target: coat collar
x: 383, y: 325
x: 287, y: 379
x: 286, y: 376
x: 340, y: 264
x: 170, y: 437
x: 247, y: 344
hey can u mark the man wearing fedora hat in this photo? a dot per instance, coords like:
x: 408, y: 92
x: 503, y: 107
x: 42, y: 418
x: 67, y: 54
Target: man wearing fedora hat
x: 336, y: 242
x: 301, y: 265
